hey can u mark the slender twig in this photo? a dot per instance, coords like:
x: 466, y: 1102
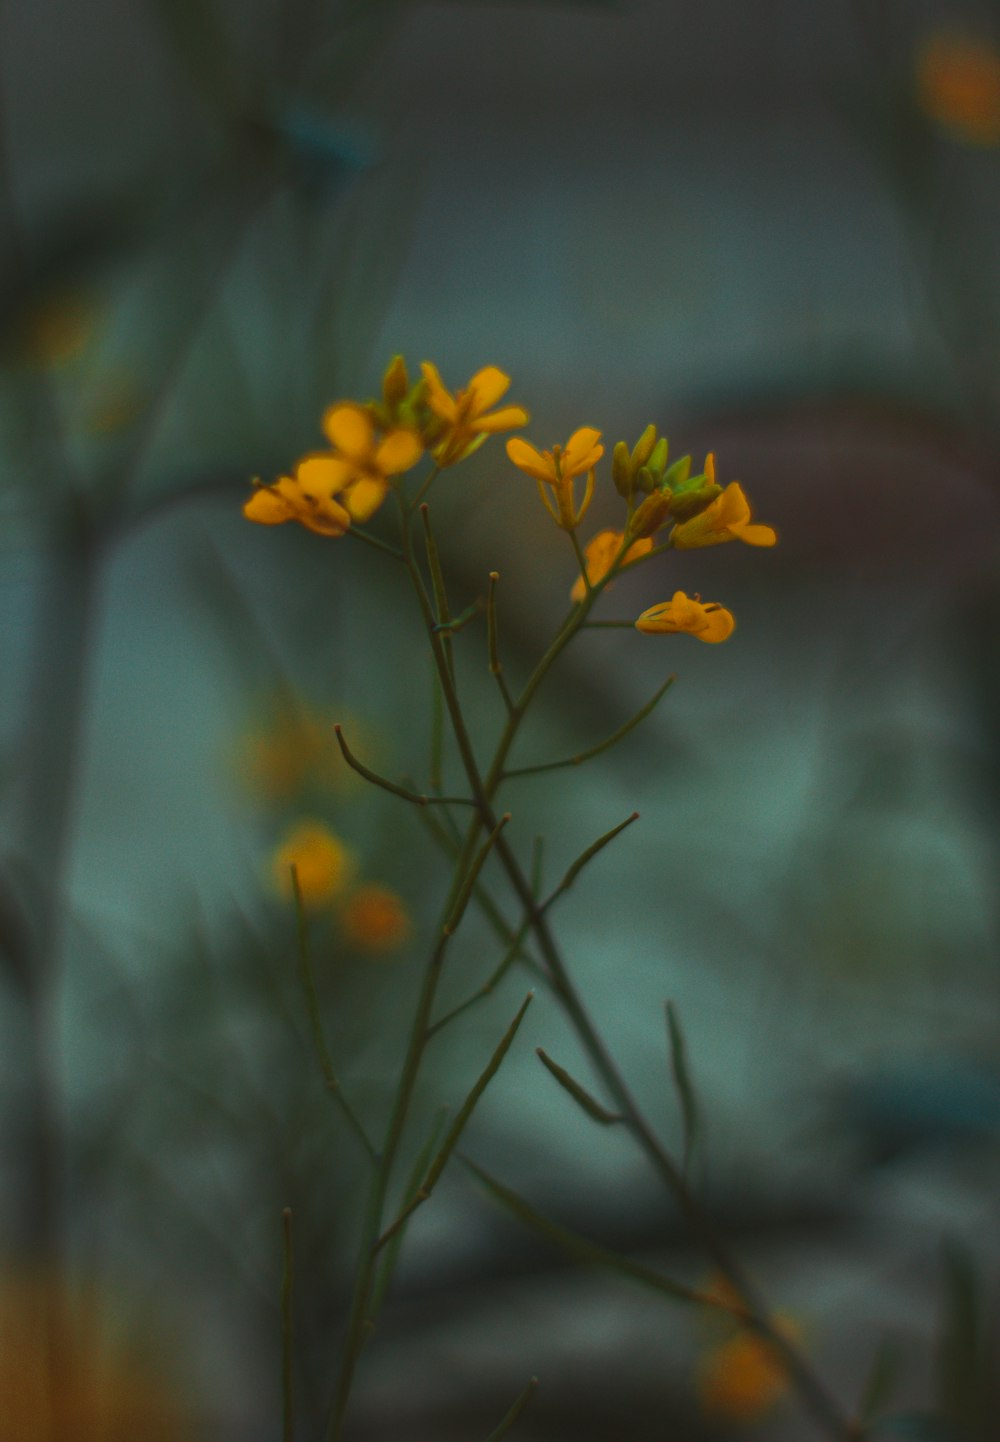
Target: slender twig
x: 458, y: 1126
x: 316, y: 1021
x: 287, y: 1351
x: 510, y: 1418
x: 583, y: 859
x: 579, y: 1093
x: 374, y: 542
x: 496, y: 670
x: 511, y: 955
x: 416, y: 797
x: 604, y: 745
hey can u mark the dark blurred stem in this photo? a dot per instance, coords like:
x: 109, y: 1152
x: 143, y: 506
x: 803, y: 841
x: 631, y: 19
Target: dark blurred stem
x: 824, y: 1408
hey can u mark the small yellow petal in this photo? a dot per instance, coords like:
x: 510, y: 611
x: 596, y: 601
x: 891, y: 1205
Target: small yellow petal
x: 526, y: 458
x: 269, y: 507
x: 324, y: 476
x: 733, y: 506
x: 719, y: 624
x: 364, y: 497
x: 582, y: 451
x: 397, y: 452
x: 507, y: 419
x: 440, y: 400
x: 486, y: 387
x: 350, y: 429
x: 758, y: 535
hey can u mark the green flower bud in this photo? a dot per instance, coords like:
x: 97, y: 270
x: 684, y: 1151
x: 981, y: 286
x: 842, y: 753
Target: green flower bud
x: 687, y: 503
x: 645, y: 481
x: 643, y: 448
x: 677, y: 474
x: 650, y: 516
x: 621, y: 470
x: 657, y: 462
x: 395, y: 383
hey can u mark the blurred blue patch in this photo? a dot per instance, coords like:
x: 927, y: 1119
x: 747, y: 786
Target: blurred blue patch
x: 901, y: 1111
x: 323, y: 155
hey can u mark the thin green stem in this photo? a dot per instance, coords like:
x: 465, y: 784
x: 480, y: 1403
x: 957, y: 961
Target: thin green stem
x: 375, y: 543
x: 496, y: 670
x: 604, y: 745
x: 316, y: 1021
x: 287, y: 1352
x: 417, y: 798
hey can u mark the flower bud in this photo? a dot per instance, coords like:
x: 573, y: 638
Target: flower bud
x: 676, y: 475
x: 395, y: 383
x: 645, y: 481
x: 657, y: 462
x: 694, y: 498
x: 621, y: 470
x: 650, y: 516
x: 643, y: 448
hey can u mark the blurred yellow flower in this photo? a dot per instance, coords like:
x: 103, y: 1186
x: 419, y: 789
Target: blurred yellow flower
x: 743, y: 1377
x: 91, y: 1389
x: 55, y: 328
x: 375, y: 919
x: 296, y: 750
x: 466, y: 416
x: 709, y: 622
x: 306, y: 497
x: 558, y: 469
x: 958, y: 86
x: 361, y: 464
x: 727, y: 518
x: 600, y: 554
x: 322, y: 862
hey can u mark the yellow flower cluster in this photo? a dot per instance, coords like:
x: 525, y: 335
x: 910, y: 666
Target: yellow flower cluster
x: 374, y: 443
x: 696, y: 508
x: 372, y: 918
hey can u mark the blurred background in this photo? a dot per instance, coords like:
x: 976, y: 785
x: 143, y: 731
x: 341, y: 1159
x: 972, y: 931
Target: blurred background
x: 771, y: 230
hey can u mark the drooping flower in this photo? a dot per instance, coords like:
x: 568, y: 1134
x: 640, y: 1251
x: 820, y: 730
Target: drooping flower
x: 306, y: 497
x: 727, y: 518
x: 557, y: 469
x: 465, y: 418
x: 958, y: 86
x: 375, y: 919
x: 600, y: 554
x: 322, y: 863
x: 361, y: 463
x: 708, y: 621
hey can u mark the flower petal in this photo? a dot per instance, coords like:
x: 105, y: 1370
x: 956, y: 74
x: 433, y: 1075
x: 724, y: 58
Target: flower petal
x: 398, y: 451
x: 526, y: 458
x: 507, y: 419
x: 269, y: 507
x: 323, y: 476
x: 364, y: 497
x: 582, y: 451
x: 486, y: 387
x: 440, y: 400
x: 731, y: 508
x: 350, y: 429
x: 758, y: 535
x: 719, y: 624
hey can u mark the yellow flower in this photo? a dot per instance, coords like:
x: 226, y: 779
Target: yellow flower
x: 743, y: 1377
x: 727, y: 518
x: 99, y: 1384
x: 360, y: 466
x: 465, y: 416
x: 709, y: 622
x: 306, y: 497
x: 323, y: 864
x: 958, y: 85
x: 558, y: 469
x: 375, y: 919
x: 600, y: 554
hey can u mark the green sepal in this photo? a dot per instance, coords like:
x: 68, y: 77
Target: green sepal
x: 677, y: 474
x: 621, y: 470
x: 643, y: 448
x: 695, y: 499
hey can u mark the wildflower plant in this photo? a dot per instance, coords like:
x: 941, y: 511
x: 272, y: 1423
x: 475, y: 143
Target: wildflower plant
x: 396, y: 448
